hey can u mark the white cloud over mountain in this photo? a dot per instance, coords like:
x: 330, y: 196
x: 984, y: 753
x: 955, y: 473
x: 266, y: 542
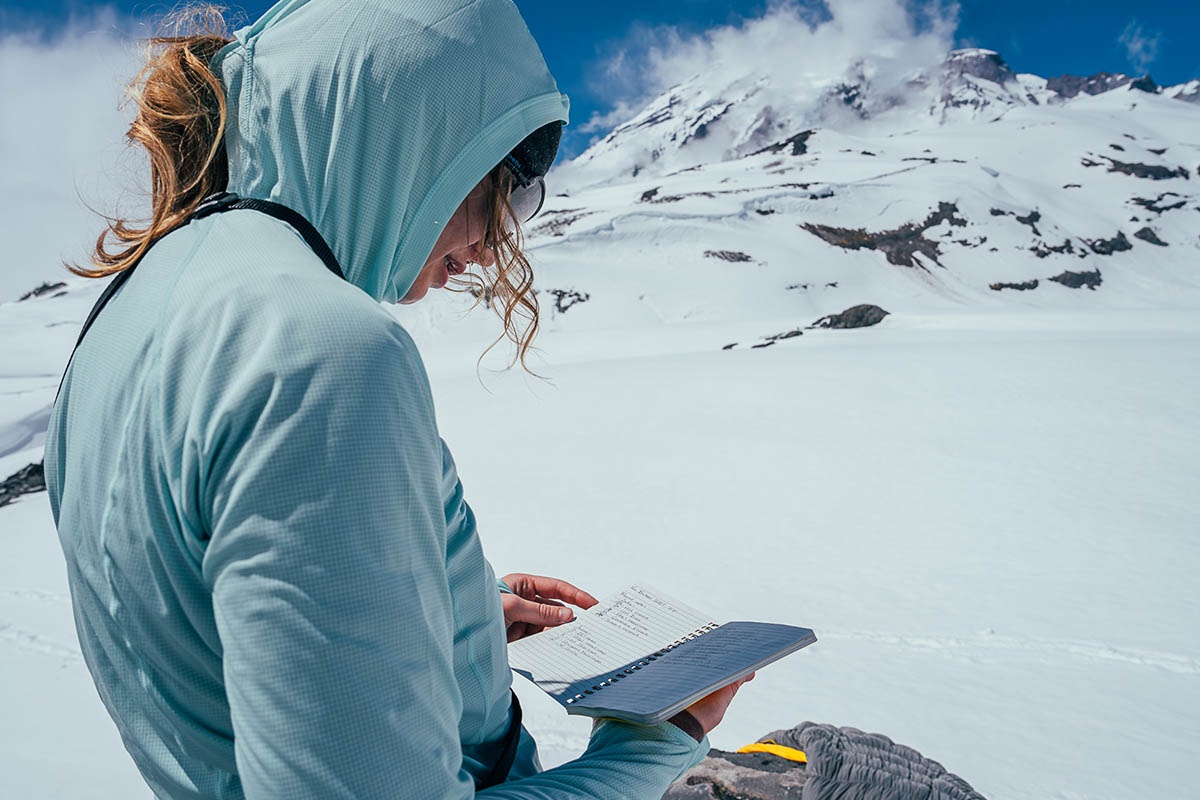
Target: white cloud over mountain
x: 62, y: 145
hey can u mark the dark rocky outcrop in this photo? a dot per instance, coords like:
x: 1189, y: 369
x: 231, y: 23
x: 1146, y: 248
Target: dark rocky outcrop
x: 45, y: 288
x: 1031, y: 219
x: 652, y: 196
x: 555, y: 223
x: 861, y: 316
x: 1106, y: 247
x: 986, y: 64
x: 565, y: 298
x: 1148, y: 235
x: 1154, y: 172
x: 732, y: 256
x: 28, y: 480
x: 900, y: 244
x: 1023, y: 286
x: 741, y: 776
x: 1067, y: 86
x: 1159, y: 204
x: 1042, y: 250
x: 1077, y: 280
x: 797, y: 143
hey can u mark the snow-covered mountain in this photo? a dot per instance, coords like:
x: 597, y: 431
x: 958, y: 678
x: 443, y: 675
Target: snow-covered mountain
x: 703, y: 120
x: 968, y: 187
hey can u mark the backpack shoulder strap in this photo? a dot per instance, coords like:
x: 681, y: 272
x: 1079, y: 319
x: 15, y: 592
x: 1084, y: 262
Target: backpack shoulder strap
x: 215, y: 204
x: 228, y: 201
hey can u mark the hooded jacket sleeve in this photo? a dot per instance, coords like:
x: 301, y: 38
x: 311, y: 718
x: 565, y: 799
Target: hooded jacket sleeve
x: 319, y: 465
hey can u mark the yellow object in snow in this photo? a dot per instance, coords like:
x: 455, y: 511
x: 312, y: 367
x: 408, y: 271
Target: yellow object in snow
x: 769, y: 746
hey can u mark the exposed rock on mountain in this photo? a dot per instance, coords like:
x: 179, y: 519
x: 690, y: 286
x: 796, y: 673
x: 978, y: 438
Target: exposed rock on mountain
x: 1067, y: 86
x: 795, y: 145
x: 1106, y: 247
x: 44, y: 289
x: 732, y: 256
x: 1077, y: 280
x: 24, y: 481
x: 1188, y: 92
x: 1023, y: 286
x: 901, y: 244
x: 1043, y: 250
x: 1148, y: 235
x: 1164, y: 202
x: 861, y: 316
x: 564, y: 299
x: 1155, y: 172
x: 986, y: 64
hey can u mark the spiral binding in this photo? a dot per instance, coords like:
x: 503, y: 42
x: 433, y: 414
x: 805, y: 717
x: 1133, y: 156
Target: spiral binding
x: 636, y: 665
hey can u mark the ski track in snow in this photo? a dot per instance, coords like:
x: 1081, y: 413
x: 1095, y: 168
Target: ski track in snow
x: 1045, y: 649
x: 26, y: 641
x: 35, y: 594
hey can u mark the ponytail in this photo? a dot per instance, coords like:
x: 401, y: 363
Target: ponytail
x: 181, y: 123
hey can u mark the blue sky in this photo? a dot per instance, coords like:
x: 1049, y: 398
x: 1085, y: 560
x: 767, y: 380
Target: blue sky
x: 1049, y: 38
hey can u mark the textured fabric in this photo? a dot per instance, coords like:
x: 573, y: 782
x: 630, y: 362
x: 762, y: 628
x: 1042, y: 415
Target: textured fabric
x: 369, y: 118
x: 277, y: 583
x: 849, y: 764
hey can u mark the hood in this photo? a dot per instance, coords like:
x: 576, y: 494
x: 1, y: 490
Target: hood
x: 375, y: 118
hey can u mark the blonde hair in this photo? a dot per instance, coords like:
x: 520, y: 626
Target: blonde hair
x: 507, y: 286
x: 181, y: 122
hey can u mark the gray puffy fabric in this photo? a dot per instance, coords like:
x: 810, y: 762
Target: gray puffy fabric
x: 849, y: 764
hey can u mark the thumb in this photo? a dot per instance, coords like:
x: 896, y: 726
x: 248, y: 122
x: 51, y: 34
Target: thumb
x: 539, y: 613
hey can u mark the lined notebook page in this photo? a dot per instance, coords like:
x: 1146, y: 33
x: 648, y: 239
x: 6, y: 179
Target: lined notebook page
x: 622, y: 628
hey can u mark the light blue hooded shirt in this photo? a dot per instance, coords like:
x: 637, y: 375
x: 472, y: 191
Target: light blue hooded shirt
x: 277, y: 584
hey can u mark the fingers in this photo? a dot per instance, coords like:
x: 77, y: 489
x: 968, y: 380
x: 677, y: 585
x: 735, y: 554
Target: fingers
x: 560, y: 589
x: 532, y: 586
x: 548, y: 613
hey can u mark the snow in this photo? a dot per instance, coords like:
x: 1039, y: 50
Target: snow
x: 986, y: 517
x: 984, y: 506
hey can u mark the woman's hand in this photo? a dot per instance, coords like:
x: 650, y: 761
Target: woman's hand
x: 710, y: 709
x: 534, y: 604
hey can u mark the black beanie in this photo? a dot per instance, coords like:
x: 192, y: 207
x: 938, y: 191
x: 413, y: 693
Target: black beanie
x: 531, y: 159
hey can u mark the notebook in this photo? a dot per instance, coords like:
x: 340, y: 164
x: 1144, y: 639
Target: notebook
x: 642, y: 656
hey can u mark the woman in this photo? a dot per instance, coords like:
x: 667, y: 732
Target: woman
x: 277, y: 584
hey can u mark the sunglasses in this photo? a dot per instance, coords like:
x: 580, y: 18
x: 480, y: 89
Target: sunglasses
x: 526, y: 201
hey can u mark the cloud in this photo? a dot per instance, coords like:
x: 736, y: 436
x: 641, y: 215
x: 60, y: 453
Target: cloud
x: 62, y: 138
x: 1141, y: 49
x: 804, y: 47
x: 603, y: 121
